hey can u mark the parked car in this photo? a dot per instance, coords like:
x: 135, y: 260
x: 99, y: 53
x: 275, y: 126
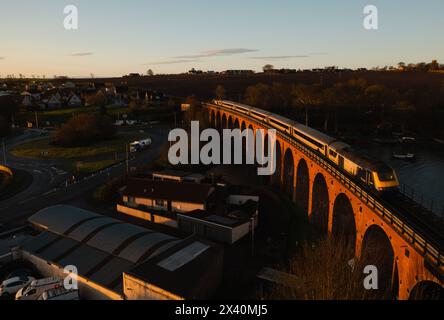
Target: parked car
x: 59, y: 294
x: 12, y: 285
x: 23, y: 272
x: 36, y: 288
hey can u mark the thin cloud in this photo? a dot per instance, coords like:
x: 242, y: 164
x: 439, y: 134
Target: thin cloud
x: 217, y: 53
x: 174, y: 61
x: 2, y: 58
x: 280, y: 57
x: 82, y: 54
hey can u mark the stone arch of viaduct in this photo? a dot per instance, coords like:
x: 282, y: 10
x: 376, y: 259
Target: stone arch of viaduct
x: 335, y: 209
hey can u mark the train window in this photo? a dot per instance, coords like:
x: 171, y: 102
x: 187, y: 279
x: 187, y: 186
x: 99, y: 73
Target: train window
x: 386, y: 175
x: 307, y: 138
x: 279, y: 124
x: 371, y: 181
x: 362, y: 174
x: 333, y: 154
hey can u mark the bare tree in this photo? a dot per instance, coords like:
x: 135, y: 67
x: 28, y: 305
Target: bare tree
x: 220, y: 92
x: 325, y: 272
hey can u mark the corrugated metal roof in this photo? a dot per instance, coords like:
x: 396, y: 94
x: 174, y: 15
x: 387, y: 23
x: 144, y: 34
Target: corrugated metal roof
x: 101, y: 248
x: 184, y: 256
x: 88, y: 227
x: 136, y: 249
x: 59, y: 219
x: 111, y: 238
x: 103, y: 233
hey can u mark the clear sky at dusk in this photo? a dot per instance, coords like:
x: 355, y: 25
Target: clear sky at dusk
x: 118, y: 37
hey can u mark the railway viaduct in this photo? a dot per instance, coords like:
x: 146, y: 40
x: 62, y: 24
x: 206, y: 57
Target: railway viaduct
x: 408, y: 265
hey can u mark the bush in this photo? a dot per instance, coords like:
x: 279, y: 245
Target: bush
x: 84, y: 129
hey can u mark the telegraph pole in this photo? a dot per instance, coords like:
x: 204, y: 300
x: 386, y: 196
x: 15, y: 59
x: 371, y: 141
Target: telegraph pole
x: 36, y: 120
x: 127, y: 159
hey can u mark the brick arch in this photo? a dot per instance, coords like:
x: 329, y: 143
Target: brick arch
x: 224, y: 122
x: 377, y: 250
x: 212, y: 118
x: 288, y: 172
x: 230, y: 122
x: 276, y: 178
x: 320, y: 203
x: 218, y: 120
x: 236, y: 124
x: 343, y: 221
x: 427, y: 290
x: 243, y: 126
x: 302, y: 186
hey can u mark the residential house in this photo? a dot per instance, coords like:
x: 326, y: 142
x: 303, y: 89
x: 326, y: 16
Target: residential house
x: 159, y: 201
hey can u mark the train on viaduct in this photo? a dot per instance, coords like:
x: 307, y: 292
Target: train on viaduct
x: 409, y: 262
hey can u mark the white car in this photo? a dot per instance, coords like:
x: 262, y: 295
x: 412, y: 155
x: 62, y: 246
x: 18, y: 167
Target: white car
x: 35, y: 288
x: 12, y: 285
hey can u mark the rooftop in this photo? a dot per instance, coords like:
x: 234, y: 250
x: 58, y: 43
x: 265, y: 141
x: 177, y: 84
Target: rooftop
x: 168, y: 190
x: 179, y: 269
x: 100, y: 247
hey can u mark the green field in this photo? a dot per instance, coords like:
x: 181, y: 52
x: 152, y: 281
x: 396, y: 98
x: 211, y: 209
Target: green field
x: 43, y: 149
x: 87, y: 167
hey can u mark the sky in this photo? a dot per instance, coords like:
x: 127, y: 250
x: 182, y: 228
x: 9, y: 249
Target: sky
x: 172, y: 36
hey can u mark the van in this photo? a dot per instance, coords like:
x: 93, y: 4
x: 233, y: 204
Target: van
x: 59, y: 294
x: 37, y: 287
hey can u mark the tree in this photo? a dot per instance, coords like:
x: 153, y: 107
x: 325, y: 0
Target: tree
x: 306, y: 97
x: 258, y: 95
x: 268, y: 68
x: 220, y: 92
x: 196, y: 112
x: 84, y: 129
x: 323, y: 271
x: 150, y: 73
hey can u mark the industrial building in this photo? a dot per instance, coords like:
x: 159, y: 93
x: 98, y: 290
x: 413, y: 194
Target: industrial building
x: 104, y: 250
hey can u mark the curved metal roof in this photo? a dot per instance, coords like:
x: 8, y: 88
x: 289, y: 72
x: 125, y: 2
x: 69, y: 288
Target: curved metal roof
x: 109, y: 235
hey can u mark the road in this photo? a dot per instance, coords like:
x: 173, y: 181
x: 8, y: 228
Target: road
x: 48, y: 187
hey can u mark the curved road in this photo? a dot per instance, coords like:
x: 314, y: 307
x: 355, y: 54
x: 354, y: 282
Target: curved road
x: 48, y: 187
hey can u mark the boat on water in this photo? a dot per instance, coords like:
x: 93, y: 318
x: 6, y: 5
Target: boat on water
x: 404, y: 156
x: 407, y: 140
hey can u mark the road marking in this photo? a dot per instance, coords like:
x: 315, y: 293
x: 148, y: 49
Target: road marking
x: 30, y: 199
x: 49, y: 192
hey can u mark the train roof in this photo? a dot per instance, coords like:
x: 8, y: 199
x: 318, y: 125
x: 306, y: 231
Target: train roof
x: 313, y: 133
x: 339, y: 145
x: 365, y: 161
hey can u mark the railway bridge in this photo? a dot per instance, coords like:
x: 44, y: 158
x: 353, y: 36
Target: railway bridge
x: 409, y: 255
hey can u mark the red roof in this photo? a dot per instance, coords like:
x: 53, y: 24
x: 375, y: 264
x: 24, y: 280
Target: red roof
x: 168, y: 190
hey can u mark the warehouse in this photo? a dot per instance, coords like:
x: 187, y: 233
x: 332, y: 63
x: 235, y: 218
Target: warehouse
x: 190, y: 271
x: 101, y: 249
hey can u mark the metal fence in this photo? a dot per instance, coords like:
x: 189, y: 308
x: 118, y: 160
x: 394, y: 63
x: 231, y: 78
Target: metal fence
x: 422, y: 200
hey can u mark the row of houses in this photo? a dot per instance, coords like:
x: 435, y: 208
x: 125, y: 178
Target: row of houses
x: 45, y: 96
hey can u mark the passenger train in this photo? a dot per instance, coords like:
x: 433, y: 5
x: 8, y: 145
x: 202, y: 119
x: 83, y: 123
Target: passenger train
x: 375, y: 175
